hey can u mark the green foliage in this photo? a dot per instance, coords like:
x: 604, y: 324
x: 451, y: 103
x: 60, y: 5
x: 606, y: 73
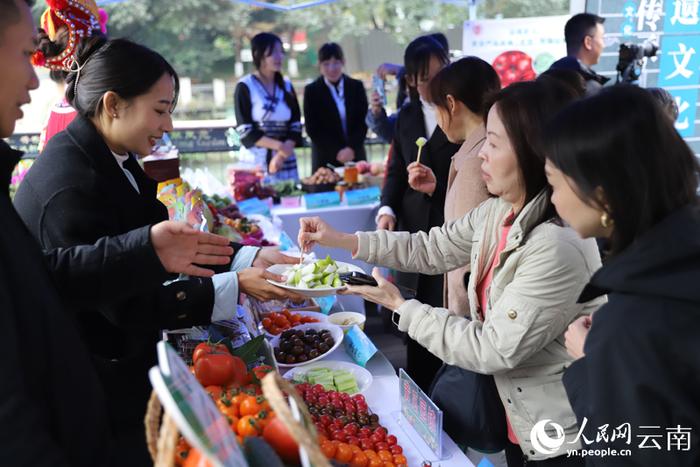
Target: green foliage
x: 201, y: 38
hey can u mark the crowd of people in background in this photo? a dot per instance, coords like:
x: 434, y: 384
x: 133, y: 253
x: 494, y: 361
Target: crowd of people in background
x: 515, y: 319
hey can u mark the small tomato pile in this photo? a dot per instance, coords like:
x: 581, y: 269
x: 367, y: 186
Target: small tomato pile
x: 347, y: 432
x: 238, y: 396
x: 275, y: 323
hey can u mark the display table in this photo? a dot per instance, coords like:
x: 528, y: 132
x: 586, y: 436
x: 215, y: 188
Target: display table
x: 343, y: 218
x: 383, y: 399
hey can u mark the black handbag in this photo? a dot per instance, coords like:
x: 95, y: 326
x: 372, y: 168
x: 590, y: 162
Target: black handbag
x: 472, y: 411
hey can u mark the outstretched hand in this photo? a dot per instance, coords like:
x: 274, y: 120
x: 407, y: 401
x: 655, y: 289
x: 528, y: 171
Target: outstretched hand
x: 180, y: 248
x: 385, y: 293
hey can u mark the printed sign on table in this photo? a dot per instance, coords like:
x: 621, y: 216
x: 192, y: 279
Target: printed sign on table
x: 424, y: 416
x: 193, y: 410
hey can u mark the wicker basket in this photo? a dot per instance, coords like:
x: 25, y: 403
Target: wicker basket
x: 162, y: 433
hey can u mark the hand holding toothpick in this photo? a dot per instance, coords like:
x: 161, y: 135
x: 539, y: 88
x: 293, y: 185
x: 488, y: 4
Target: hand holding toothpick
x: 420, y: 142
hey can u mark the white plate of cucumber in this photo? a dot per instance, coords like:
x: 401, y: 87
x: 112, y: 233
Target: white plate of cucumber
x: 333, y: 376
x: 313, y: 279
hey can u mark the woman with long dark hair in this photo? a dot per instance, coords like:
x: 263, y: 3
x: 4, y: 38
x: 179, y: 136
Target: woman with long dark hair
x: 619, y: 170
x: 267, y: 111
x: 406, y: 209
x: 526, y: 270
x: 334, y: 112
x: 88, y: 184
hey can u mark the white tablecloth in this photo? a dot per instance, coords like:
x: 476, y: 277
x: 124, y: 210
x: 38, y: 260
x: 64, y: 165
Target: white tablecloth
x: 343, y: 218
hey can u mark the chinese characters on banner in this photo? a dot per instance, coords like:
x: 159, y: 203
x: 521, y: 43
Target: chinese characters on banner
x: 680, y: 64
x: 675, y: 26
x: 422, y: 413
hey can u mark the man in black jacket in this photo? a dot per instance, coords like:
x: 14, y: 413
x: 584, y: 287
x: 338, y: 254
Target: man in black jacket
x: 584, y: 44
x: 52, y: 408
x: 334, y: 112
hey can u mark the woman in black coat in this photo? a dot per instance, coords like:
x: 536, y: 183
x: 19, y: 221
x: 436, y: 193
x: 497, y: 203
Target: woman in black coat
x: 619, y: 170
x: 87, y: 185
x: 406, y: 209
x: 334, y: 112
x: 53, y: 409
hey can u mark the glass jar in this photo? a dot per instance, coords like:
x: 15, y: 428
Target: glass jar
x: 350, y: 174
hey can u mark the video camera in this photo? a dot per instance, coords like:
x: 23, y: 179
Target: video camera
x: 631, y: 59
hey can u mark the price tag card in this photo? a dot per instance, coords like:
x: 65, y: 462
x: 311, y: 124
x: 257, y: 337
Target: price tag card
x: 254, y: 206
x: 193, y: 410
x: 322, y: 200
x: 363, y: 196
x: 424, y: 416
x: 359, y: 346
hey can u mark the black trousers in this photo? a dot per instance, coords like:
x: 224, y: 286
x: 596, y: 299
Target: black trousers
x: 516, y: 458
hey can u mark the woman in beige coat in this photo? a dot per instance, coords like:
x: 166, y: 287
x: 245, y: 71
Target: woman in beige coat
x: 527, y: 272
x: 458, y: 93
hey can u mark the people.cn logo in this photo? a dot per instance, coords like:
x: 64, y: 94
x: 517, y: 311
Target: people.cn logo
x: 544, y: 443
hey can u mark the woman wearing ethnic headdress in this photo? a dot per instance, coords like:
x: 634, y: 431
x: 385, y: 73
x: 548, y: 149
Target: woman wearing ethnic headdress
x: 267, y: 111
x: 64, y: 27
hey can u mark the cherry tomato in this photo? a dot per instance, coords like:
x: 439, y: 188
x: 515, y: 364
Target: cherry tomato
x: 376, y: 438
x: 251, y: 405
x: 359, y: 459
x: 400, y: 459
x: 366, y: 444
x: 328, y: 449
x: 391, y: 440
x: 396, y: 449
x: 247, y: 426
x: 215, y: 392
x: 353, y: 440
x: 385, y: 455
x: 351, y: 428
x: 343, y: 453
x: 383, y: 446
x: 365, y: 432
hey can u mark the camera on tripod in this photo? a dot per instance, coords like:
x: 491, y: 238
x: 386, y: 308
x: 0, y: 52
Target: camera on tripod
x: 631, y: 59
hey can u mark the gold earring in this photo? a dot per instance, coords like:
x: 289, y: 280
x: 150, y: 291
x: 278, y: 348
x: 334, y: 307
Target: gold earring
x: 606, y: 221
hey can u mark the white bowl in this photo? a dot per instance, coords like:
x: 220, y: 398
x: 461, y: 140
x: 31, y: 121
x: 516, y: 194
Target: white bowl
x: 282, y: 269
x: 313, y: 314
x: 338, y: 318
x: 336, y: 333
x: 362, y: 376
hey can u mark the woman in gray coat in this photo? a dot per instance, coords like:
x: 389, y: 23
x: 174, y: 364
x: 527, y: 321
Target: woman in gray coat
x: 527, y: 272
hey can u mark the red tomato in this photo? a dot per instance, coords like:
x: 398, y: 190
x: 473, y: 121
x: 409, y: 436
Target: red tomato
x: 396, y: 449
x: 391, y: 440
x: 205, y: 348
x: 214, y: 369
x: 196, y: 459
x: 260, y: 371
x: 277, y: 436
